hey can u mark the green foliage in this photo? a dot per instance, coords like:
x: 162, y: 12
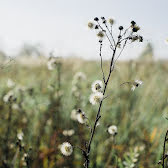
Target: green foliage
x: 43, y: 109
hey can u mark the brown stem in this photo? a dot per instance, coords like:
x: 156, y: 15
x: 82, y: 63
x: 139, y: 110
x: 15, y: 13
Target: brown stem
x: 98, y: 113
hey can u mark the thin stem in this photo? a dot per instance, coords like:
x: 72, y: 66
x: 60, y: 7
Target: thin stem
x: 110, y: 33
x: 98, y: 116
x: 101, y: 64
x: 106, y: 35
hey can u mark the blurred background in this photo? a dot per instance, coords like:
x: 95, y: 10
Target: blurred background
x: 40, y: 95
x: 62, y: 25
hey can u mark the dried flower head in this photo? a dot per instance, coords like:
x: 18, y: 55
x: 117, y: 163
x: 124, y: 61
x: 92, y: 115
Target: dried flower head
x: 135, y: 28
x: 112, y: 130
x: 96, y: 98
x: 135, y: 84
x: 100, y: 34
x: 111, y: 21
x: 91, y: 25
x: 66, y: 149
x: 97, y: 86
x: 96, y: 19
x: 133, y: 23
x: 121, y: 28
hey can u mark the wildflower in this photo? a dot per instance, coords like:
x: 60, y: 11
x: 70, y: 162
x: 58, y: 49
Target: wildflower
x: 79, y: 76
x: 97, y: 86
x: 100, y: 34
x: 81, y: 117
x: 96, y: 98
x: 112, y: 130
x: 91, y: 25
x: 20, y: 135
x: 66, y: 149
x: 135, y: 28
x: 111, y: 21
x: 10, y: 83
x: 68, y: 132
x: 9, y: 97
x: 74, y: 115
x: 97, y: 124
x: 135, y: 84
x: 52, y: 63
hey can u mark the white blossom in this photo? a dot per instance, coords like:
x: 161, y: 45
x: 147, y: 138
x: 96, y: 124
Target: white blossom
x: 74, y: 115
x: 81, y: 117
x: 20, y: 135
x: 97, y: 86
x: 9, y: 96
x: 80, y: 76
x: 135, y: 84
x: 52, y: 63
x: 66, y: 149
x: 96, y: 98
x: 112, y: 130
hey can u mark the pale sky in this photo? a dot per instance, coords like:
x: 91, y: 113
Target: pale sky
x: 61, y: 25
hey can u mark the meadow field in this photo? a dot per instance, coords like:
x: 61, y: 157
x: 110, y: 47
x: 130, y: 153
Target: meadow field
x: 37, y: 107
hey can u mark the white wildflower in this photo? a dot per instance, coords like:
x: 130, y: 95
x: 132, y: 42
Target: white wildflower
x: 52, y: 63
x: 68, y: 132
x: 74, y: 115
x: 10, y: 83
x: 81, y: 117
x: 97, y: 124
x: 20, y: 136
x: 80, y: 76
x: 96, y: 98
x: 8, y: 97
x: 66, y: 149
x: 135, y: 84
x: 112, y: 130
x: 97, y: 86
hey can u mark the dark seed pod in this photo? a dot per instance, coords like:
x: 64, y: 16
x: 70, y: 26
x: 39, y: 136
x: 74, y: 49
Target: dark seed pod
x: 96, y: 27
x: 133, y: 23
x: 96, y: 19
x: 121, y: 28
